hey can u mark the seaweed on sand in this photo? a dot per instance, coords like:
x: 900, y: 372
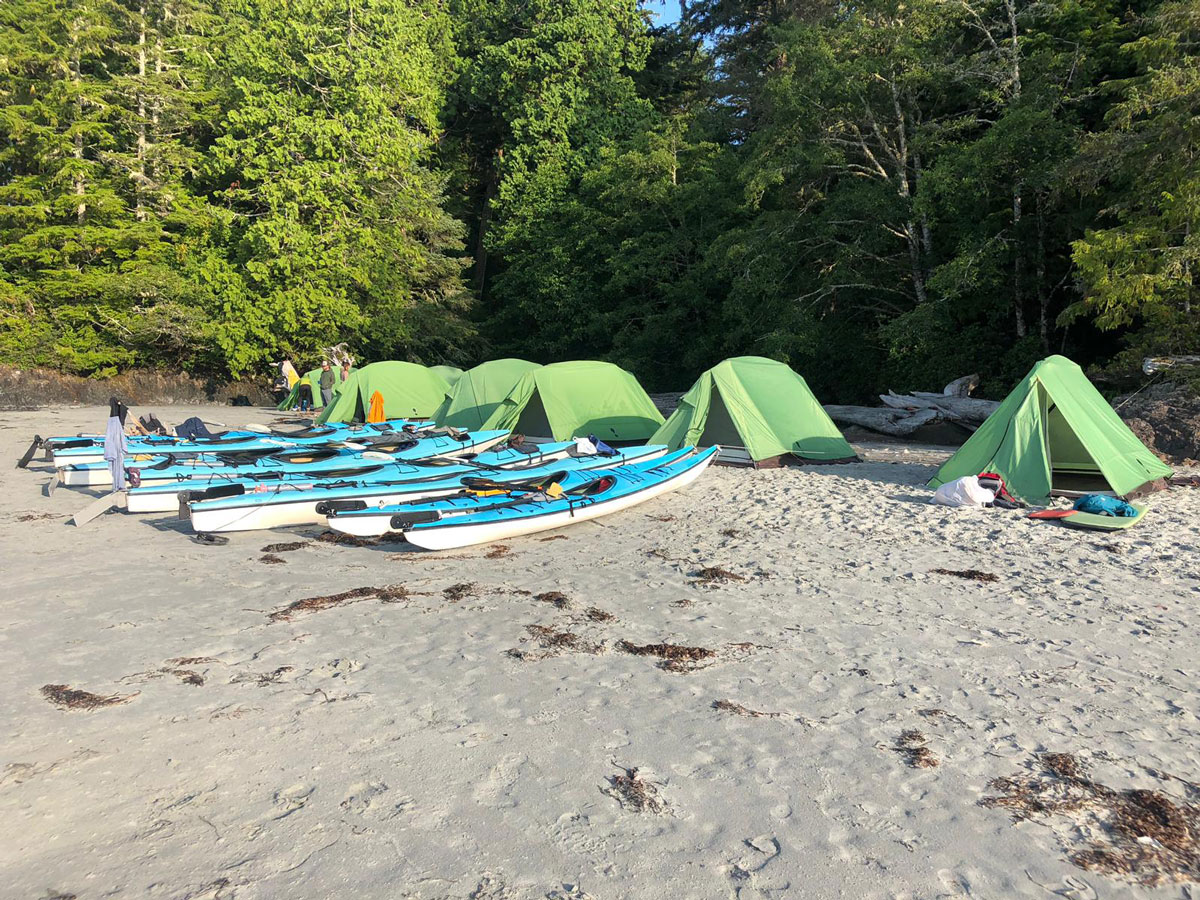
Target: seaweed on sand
x: 66, y: 697
x: 552, y: 642
x: 1140, y: 834
x: 969, y: 574
x: 716, y: 575
x: 389, y: 594
x: 457, y: 592
x: 911, y: 744
x: 673, y: 657
x: 558, y: 598
x: 633, y: 792
x: 738, y: 710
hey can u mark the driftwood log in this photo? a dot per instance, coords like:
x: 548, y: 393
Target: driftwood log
x: 903, y: 414
x: 1152, y: 364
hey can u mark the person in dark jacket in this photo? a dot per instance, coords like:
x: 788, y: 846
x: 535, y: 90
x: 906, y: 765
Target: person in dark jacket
x: 326, y: 383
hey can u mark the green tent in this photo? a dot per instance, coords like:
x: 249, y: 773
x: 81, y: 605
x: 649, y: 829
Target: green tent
x: 409, y: 391
x: 574, y: 399
x: 450, y: 373
x: 479, y: 391
x: 1055, y: 433
x: 759, y: 411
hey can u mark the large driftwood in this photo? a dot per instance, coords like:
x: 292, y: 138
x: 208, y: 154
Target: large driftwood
x: 898, y: 423
x: 967, y: 410
x: 903, y: 414
x: 1152, y: 364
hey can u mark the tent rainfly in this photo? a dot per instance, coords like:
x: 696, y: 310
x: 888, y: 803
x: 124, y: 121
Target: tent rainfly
x: 760, y: 412
x: 574, y: 399
x: 408, y: 390
x: 479, y: 391
x: 1055, y: 434
x: 451, y: 374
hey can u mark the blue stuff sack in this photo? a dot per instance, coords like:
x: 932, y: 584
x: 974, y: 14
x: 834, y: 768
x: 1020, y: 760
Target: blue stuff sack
x: 1101, y: 505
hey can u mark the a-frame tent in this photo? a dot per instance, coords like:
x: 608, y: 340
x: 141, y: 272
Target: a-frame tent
x: 760, y: 412
x: 1055, y: 434
x: 575, y: 399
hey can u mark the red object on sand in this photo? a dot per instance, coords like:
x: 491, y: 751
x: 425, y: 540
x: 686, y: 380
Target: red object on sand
x: 1052, y: 513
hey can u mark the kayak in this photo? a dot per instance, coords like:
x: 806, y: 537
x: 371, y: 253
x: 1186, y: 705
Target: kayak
x: 88, y: 449
x: 165, y: 497
x: 284, y: 505
x: 461, y: 522
x: 328, y: 462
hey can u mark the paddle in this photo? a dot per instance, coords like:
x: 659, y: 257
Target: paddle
x: 1051, y: 514
x: 115, y: 500
x: 24, y: 460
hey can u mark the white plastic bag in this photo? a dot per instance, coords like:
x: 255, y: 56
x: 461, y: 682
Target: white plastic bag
x: 964, y: 491
x: 584, y: 447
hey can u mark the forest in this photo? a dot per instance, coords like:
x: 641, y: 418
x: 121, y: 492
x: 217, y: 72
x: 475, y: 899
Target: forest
x: 882, y: 193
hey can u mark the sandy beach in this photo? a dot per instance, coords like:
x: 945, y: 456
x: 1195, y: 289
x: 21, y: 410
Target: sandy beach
x: 283, y: 716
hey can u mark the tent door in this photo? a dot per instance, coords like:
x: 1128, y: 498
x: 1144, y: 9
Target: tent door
x: 719, y: 428
x: 1073, y: 471
x: 533, y: 421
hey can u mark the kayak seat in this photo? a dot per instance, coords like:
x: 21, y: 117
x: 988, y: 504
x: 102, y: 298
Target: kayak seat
x: 599, y: 486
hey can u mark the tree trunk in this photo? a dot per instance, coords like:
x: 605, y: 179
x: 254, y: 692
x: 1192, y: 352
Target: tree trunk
x: 485, y: 216
x: 1018, y: 263
x: 76, y: 69
x: 140, y: 186
x: 1042, y: 292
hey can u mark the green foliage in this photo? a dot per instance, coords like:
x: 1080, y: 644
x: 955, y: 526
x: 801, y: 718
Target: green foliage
x: 883, y: 194
x: 1140, y: 270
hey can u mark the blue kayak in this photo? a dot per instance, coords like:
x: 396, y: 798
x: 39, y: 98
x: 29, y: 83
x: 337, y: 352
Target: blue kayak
x: 493, y: 514
x: 164, y: 497
x: 332, y: 461
x: 87, y: 448
x: 282, y: 505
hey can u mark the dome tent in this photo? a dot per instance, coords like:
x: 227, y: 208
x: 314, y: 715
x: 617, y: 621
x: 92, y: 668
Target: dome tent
x: 759, y: 411
x: 1056, y: 434
x: 451, y: 374
x: 479, y: 391
x: 573, y: 399
x: 409, y: 391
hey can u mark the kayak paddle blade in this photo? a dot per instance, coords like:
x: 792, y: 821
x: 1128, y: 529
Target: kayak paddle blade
x: 28, y: 455
x: 98, y: 507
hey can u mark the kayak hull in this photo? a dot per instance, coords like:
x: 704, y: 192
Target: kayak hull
x: 278, y: 510
x: 450, y: 535
x: 376, y: 523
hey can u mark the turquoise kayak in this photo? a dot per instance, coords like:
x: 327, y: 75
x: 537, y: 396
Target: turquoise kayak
x: 331, y: 462
x: 282, y: 505
x: 90, y: 449
x: 497, y: 514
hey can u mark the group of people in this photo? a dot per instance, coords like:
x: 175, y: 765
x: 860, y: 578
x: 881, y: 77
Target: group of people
x: 328, y: 380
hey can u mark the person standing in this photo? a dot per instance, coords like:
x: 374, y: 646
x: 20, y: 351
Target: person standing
x: 326, y: 383
x: 346, y: 370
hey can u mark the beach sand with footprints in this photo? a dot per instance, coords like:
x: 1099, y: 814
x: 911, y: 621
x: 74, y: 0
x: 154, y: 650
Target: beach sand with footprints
x: 802, y: 683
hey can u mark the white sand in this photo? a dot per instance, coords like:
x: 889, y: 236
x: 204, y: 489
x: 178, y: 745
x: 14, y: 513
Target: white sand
x: 398, y: 750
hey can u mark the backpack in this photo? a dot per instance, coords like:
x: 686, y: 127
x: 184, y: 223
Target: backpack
x: 995, y: 484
